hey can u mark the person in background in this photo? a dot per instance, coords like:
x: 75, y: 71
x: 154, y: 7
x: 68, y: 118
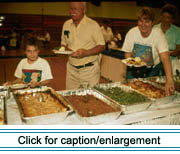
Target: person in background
x: 13, y: 39
x: 47, y: 36
x: 172, y: 32
x: 148, y: 43
x: 46, y: 40
x: 3, y: 43
x: 33, y: 70
x: 116, y: 42
x: 107, y: 32
x: 117, y: 35
x: 84, y: 38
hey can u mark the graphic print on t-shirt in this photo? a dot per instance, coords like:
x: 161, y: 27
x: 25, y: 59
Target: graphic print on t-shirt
x: 34, y: 75
x: 144, y: 52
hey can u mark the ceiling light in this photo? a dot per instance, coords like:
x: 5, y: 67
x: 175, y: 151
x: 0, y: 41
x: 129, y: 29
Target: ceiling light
x: 2, y: 17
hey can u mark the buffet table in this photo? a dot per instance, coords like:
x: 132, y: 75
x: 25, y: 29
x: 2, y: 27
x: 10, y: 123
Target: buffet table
x: 139, y: 101
x: 160, y: 113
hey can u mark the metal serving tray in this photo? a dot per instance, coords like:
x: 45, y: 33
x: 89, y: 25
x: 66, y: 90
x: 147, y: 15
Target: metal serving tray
x: 150, y: 82
x: 167, y: 101
x: 164, y: 102
x: 98, y: 119
x: 2, y: 110
x: 43, y: 119
x: 159, y: 80
x: 129, y: 108
x: 156, y: 81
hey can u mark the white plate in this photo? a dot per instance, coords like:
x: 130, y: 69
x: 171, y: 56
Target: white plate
x: 125, y: 61
x: 2, y: 87
x: 62, y: 52
x: 18, y: 85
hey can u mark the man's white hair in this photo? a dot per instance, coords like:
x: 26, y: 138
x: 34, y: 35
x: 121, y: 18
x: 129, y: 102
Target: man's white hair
x: 83, y: 5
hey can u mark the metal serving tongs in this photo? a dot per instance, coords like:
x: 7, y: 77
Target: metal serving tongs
x: 85, y: 87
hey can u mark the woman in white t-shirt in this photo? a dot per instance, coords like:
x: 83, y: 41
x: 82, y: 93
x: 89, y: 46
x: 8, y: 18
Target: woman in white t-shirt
x: 150, y: 44
x: 33, y: 69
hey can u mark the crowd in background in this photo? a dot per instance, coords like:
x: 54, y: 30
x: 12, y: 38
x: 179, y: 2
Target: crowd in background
x: 15, y: 39
x: 154, y: 44
x: 112, y: 36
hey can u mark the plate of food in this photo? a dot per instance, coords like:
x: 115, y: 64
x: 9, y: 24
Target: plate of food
x: 61, y: 50
x: 136, y: 62
x: 18, y: 86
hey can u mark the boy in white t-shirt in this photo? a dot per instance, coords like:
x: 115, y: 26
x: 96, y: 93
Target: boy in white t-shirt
x: 33, y: 69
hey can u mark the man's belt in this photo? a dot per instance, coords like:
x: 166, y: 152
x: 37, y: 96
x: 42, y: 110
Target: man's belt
x: 85, y: 65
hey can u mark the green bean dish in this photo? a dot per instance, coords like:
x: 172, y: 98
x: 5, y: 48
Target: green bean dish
x: 123, y: 97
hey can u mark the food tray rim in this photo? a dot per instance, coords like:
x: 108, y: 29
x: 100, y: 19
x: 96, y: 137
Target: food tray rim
x: 86, y: 119
x: 3, y: 107
x: 147, y: 80
x: 26, y: 119
x: 121, y: 85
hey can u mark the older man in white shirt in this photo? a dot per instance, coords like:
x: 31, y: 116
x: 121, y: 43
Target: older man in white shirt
x: 83, y: 36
